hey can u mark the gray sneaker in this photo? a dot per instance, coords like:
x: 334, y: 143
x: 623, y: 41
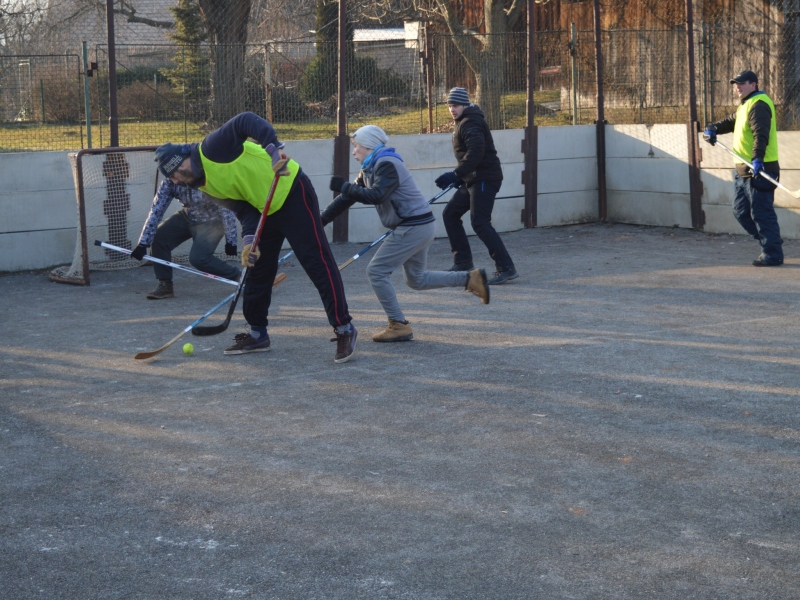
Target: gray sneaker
x: 246, y: 343
x: 503, y: 275
x: 345, y: 345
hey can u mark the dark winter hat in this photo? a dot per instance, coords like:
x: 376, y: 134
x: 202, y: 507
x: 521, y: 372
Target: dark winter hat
x: 745, y: 77
x: 458, y: 96
x: 170, y: 156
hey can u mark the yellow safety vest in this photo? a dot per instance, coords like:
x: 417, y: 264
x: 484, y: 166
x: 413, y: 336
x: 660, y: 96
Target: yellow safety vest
x: 743, y: 135
x: 248, y: 178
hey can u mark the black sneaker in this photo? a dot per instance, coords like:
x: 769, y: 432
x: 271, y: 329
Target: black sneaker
x: 246, y: 343
x: 503, y: 275
x: 765, y: 261
x: 345, y: 345
x: 465, y: 266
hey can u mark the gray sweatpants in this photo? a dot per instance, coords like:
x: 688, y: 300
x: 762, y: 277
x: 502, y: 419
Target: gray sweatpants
x: 408, y: 246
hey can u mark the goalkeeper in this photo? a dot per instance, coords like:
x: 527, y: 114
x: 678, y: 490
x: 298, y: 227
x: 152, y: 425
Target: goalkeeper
x: 201, y: 220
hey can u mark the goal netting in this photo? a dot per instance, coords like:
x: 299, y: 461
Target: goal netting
x: 114, y: 188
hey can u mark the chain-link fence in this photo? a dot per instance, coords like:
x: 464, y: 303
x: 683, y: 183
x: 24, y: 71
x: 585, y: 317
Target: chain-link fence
x: 41, y: 103
x: 171, y: 91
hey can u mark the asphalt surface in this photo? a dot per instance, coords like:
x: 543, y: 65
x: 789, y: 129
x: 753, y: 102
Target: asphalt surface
x: 620, y: 422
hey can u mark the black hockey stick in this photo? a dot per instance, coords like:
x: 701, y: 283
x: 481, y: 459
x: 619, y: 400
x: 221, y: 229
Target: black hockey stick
x: 217, y: 329
x: 371, y: 245
x: 143, y: 355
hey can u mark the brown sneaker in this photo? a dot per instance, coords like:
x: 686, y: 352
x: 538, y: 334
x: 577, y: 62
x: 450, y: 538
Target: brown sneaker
x: 476, y: 283
x: 163, y: 290
x: 394, y: 332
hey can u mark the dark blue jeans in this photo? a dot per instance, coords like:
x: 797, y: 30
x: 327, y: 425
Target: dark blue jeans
x: 205, y: 238
x: 478, y: 199
x: 753, y: 208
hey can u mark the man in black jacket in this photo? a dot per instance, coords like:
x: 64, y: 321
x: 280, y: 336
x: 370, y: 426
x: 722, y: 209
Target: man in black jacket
x: 480, y: 171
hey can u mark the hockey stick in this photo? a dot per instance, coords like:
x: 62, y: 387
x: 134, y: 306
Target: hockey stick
x: 166, y: 263
x: 216, y: 329
x: 368, y: 247
x: 143, y: 355
x: 766, y: 176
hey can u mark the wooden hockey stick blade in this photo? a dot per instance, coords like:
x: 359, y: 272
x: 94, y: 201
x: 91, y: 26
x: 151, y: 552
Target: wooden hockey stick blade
x: 279, y: 279
x: 144, y: 355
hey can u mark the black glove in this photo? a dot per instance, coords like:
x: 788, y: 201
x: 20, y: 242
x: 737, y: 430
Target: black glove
x: 230, y: 249
x: 337, y: 183
x: 446, y: 180
x: 139, y: 252
x: 710, y: 134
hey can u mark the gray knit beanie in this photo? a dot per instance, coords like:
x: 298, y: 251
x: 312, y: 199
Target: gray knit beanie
x: 458, y: 96
x: 370, y: 136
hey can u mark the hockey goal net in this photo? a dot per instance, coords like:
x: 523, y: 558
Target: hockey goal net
x: 114, y: 188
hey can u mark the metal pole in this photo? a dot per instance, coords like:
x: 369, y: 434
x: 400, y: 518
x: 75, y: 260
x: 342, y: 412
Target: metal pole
x: 573, y: 52
x: 341, y: 145
x: 87, y: 98
x: 113, y: 118
x: 693, y: 128
x: 429, y: 76
x: 600, y: 126
x: 530, y: 146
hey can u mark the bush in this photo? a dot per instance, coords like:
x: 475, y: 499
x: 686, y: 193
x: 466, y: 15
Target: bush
x: 142, y: 101
x: 63, y: 100
x: 288, y: 106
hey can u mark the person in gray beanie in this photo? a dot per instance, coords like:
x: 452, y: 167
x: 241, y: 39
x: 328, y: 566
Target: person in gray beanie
x: 482, y: 175
x: 386, y: 183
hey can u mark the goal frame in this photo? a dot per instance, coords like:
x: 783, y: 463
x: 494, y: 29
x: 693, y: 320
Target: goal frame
x: 84, y: 279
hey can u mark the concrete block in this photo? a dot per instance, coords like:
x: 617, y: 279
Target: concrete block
x: 647, y: 141
x: 668, y: 176
x: 556, y: 143
x: 566, y: 208
x: 649, y: 208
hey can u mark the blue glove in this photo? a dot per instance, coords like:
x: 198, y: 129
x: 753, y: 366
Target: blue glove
x: 758, y: 166
x: 446, y: 180
x: 710, y: 134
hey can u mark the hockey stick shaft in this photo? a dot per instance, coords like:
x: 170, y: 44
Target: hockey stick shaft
x: 167, y: 263
x: 766, y: 176
x: 143, y: 355
x: 371, y: 245
x: 216, y: 329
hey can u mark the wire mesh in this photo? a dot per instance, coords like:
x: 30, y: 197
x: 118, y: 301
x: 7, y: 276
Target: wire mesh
x: 182, y: 72
x: 41, y: 102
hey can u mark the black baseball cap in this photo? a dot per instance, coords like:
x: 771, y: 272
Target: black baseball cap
x: 745, y: 77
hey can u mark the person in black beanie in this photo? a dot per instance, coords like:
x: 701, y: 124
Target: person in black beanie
x: 480, y: 171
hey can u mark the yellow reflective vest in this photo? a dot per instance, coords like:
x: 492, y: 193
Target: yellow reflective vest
x: 248, y: 178
x: 743, y: 136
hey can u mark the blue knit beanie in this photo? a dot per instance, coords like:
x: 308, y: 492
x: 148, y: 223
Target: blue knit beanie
x: 170, y: 156
x: 458, y: 96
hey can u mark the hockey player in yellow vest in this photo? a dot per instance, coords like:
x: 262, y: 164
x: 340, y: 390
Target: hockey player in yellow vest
x: 755, y: 138
x: 239, y: 173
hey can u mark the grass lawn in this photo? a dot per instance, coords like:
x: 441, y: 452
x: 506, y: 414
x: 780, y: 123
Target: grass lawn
x: 27, y: 137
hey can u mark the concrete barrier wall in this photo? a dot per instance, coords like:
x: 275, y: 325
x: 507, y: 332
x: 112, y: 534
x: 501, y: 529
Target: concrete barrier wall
x: 647, y: 176
x: 717, y: 176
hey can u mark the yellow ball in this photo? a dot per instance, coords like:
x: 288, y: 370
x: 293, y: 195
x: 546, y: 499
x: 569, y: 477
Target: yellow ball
x: 188, y: 348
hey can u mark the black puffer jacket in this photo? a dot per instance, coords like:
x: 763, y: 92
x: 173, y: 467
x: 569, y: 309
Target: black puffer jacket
x: 474, y: 149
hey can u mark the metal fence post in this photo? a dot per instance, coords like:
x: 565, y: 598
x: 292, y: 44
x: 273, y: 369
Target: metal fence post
x: 341, y: 144
x: 530, y: 143
x: 87, y: 97
x: 600, y: 126
x: 693, y: 128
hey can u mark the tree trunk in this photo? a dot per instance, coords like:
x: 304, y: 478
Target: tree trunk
x: 226, y: 22
x: 490, y: 78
